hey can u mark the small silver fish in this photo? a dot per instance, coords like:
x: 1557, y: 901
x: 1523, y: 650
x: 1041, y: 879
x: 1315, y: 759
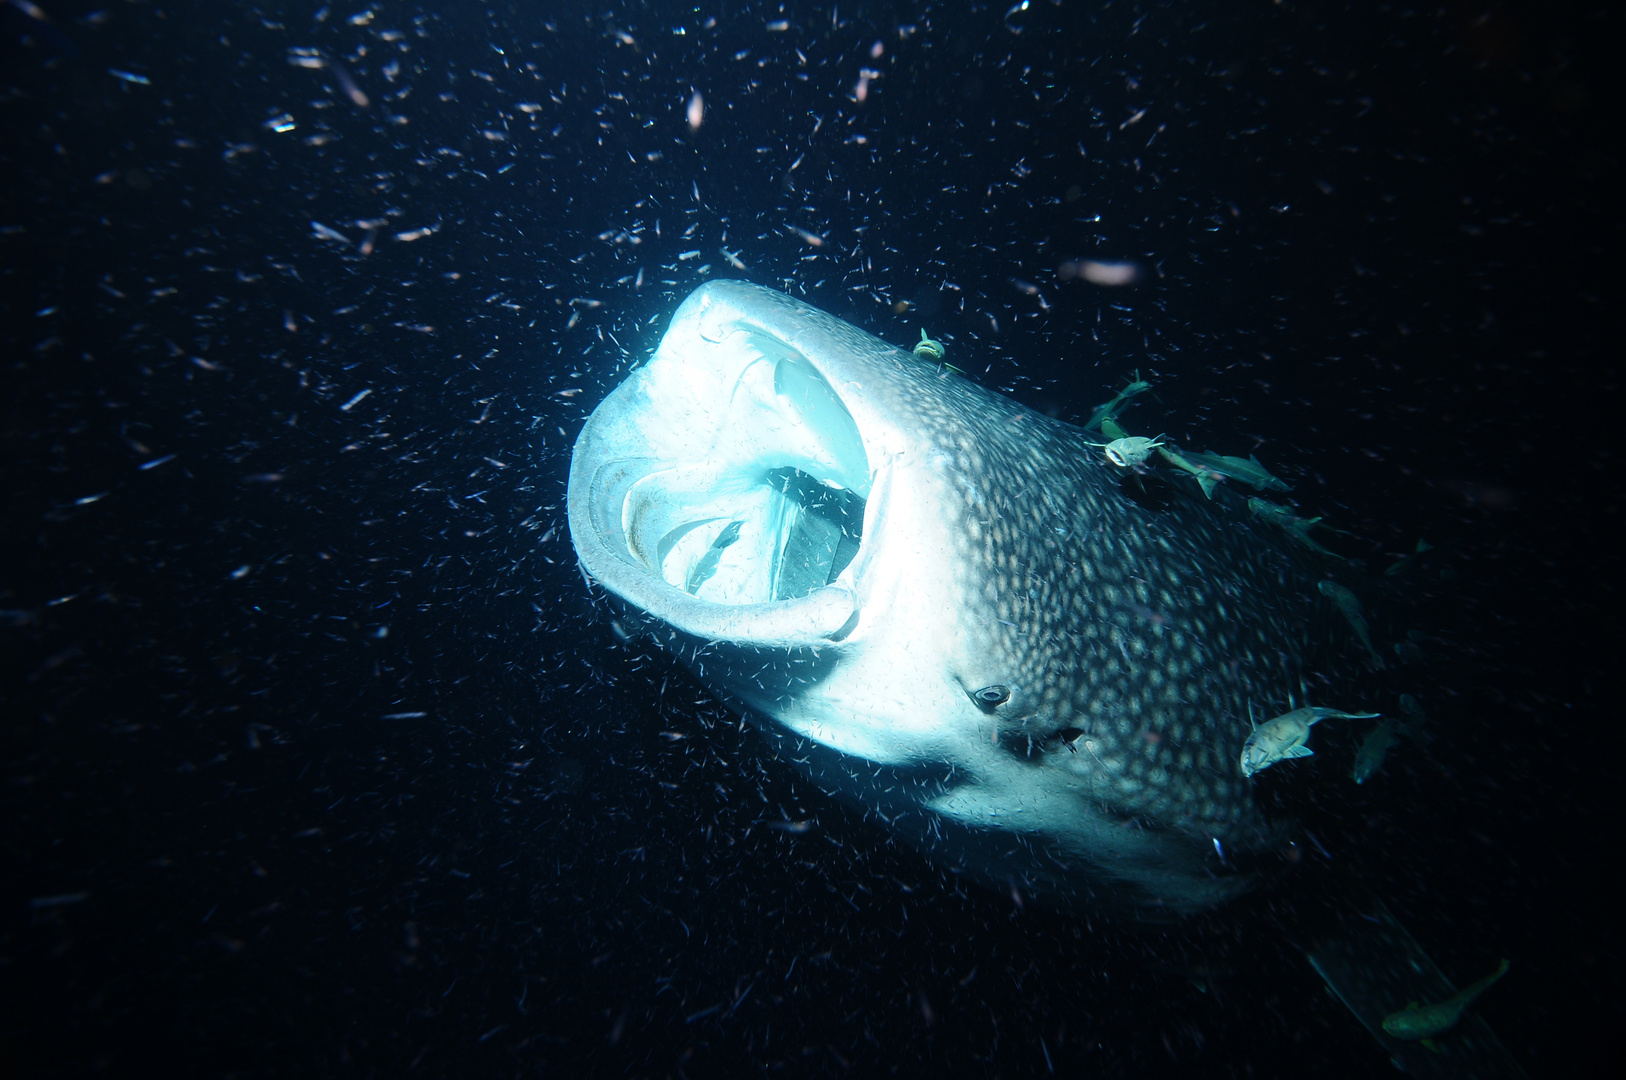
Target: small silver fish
x: 1350, y: 605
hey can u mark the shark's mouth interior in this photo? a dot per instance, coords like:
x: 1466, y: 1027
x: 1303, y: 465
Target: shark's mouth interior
x: 760, y: 493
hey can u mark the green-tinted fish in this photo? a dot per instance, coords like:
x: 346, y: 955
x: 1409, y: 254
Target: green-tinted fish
x: 1112, y: 408
x: 1374, y: 748
x: 928, y: 349
x: 1205, y: 478
x: 1248, y: 470
x: 1283, y: 518
x: 1411, y: 724
x: 1415, y: 724
x: 1282, y: 738
x: 1406, y: 562
x: 1350, y: 605
x: 1412, y: 649
x: 1128, y: 451
x: 1417, y: 1021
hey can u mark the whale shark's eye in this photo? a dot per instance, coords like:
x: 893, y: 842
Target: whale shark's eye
x: 990, y: 698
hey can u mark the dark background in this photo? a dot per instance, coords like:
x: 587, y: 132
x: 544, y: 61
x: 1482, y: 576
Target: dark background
x: 321, y: 758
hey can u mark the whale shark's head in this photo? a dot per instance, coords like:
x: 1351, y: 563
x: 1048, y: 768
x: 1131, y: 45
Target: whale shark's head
x: 936, y: 599
x: 776, y: 479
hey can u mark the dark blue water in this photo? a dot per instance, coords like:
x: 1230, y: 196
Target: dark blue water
x: 320, y: 756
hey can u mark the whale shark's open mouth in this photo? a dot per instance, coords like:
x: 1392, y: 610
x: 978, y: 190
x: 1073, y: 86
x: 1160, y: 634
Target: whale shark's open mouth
x: 774, y: 510
x: 723, y: 487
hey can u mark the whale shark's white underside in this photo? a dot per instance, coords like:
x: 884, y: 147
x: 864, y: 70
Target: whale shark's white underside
x: 940, y: 602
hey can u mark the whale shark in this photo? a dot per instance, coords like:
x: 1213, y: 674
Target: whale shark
x: 1035, y: 665
x: 929, y: 585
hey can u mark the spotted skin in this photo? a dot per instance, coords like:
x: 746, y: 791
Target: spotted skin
x: 1123, y: 621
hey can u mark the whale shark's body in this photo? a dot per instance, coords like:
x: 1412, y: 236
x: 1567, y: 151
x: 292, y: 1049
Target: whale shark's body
x: 947, y: 605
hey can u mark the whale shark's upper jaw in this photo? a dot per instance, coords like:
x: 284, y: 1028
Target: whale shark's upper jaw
x: 726, y: 487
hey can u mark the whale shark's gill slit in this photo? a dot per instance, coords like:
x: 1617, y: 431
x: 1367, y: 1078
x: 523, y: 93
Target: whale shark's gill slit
x: 824, y: 534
